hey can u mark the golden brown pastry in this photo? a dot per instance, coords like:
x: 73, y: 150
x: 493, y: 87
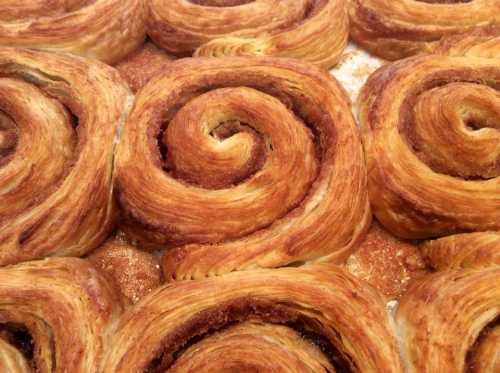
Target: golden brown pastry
x: 481, y: 42
x: 11, y: 359
x: 242, y: 163
x: 449, y: 322
x: 135, y: 272
x: 104, y: 29
x: 386, y: 262
x: 59, y: 115
x: 395, y: 29
x: 311, y: 30
x: 280, y: 320
x: 57, y: 314
x: 480, y: 249
x: 432, y: 139
x: 139, y: 67
x: 253, y: 347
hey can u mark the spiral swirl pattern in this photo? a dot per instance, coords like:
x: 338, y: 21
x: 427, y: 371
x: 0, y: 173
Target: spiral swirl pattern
x: 283, y: 320
x: 395, y: 29
x: 448, y: 322
x: 311, y: 30
x: 274, y: 173
x: 58, y: 119
x: 107, y: 30
x: 55, y: 326
x: 432, y: 137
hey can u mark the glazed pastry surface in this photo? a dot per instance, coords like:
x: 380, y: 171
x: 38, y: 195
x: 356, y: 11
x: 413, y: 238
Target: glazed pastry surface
x: 271, y: 312
x: 55, y: 316
x: 394, y: 29
x: 59, y: 115
x: 242, y: 163
x: 315, y: 31
x: 431, y: 128
x: 107, y: 30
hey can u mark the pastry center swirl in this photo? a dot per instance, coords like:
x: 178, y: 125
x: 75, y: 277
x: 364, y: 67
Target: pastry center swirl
x: 454, y: 127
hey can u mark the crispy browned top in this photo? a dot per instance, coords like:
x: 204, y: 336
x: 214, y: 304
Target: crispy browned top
x: 56, y: 316
x: 481, y: 249
x: 311, y: 30
x: 394, y: 29
x: 59, y: 115
x: 449, y: 321
x: 242, y: 162
x: 104, y: 29
x: 432, y: 137
x: 274, y: 313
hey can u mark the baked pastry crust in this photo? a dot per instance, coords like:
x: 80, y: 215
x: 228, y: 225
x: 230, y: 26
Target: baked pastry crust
x: 322, y: 303
x: 107, y: 30
x: 448, y: 322
x: 59, y: 115
x: 274, y: 173
x: 431, y: 138
x: 315, y: 31
x: 67, y: 308
x: 481, y: 249
x: 394, y: 29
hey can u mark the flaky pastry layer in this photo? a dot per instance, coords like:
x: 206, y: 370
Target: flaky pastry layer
x: 315, y: 31
x: 64, y: 307
x: 107, y: 30
x: 59, y: 115
x: 328, y: 308
x: 431, y: 129
x: 242, y: 163
x: 395, y: 29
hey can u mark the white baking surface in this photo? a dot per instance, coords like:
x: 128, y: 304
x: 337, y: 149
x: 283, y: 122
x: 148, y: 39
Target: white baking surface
x: 354, y: 68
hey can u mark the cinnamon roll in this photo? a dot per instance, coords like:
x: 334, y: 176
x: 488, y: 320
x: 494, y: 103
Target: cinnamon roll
x: 311, y: 30
x: 319, y: 319
x: 241, y: 163
x: 394, y: 29
x: 449, y: 322
x: 432, y: 139
x: 107, y: 30
x: 480, y: 249
x: 55, y: 316
x: 59, y: 115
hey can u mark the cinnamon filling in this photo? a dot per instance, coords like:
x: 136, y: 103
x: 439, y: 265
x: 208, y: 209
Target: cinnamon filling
x: 470, y: 358
x: 18, y: 336
x: 407, y: 122
x: 219, y: 318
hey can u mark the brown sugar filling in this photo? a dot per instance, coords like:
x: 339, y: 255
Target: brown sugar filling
x: 18, y: 336
x: 218, y: 318
x: 469, y: 360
